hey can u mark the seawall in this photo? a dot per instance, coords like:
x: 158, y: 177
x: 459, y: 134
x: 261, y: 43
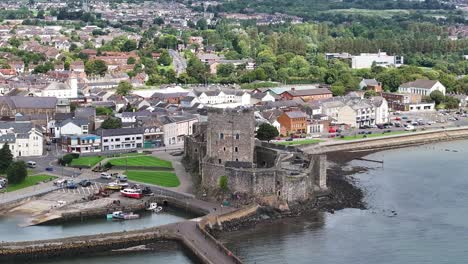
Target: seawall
x: 414, y: 138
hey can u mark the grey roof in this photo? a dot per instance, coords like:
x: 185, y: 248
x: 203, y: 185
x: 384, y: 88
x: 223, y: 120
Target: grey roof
x: 76, y: 121
x: 372, y: 82
x: 10, y: 138
x: 425, y: 84
x: 309, y: 92
x: 29, y: 102
x: 18, y: 127
x: 296, y: 114
x: 119, y: 131
x: 85, y: 112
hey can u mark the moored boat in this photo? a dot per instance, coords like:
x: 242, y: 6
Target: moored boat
x: 132, y: 193
x: 119, y: 215
x: 113, y: 186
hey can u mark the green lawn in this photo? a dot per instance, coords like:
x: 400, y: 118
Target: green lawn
x: 86, y: 161
x: 161, y: 178
x: 143, y: 161
x: 299, y: 142
x: 379, y: 134
x: 29, y: 181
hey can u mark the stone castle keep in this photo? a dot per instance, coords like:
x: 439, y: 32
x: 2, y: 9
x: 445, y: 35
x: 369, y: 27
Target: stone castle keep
x: 225, y: 145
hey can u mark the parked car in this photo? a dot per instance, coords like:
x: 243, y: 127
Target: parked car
x: 369, y: 132
x: 71, y: 185
x: 409, y: 127
x: 60, y: 182
x: 380, y: 126
x: 289, y: 139
x: 105, y: 175
x: 85, y: 183
x: 122, y: 178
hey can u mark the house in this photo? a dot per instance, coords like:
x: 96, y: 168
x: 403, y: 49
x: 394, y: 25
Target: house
x: 293, y: 122
x: 81, y: 143
x: 366, y: 60
x: 77, y: 66
x: 307, y: 94
x: 119, y: 139
x: 23, y: 138
x: 221, y: 97
x: 371, y: 85
x: 257, y: 98
x: 71, y: 127
x: 422, y: 87
x: 68, y: 89
x: 176, y: 127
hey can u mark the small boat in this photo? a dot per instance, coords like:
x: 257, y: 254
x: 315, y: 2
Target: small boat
x: 154, y: 208
x: 119, y: 215
x: 132, y: 193
x: 113, y: 186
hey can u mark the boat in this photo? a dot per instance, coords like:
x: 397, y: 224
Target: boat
x: 131, y: 193
x: 119, y: 215
x: 113, y: 186
x: 154, y: 208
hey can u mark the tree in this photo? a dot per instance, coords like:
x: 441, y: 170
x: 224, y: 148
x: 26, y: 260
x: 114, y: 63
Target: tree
x: 202, y: 24
x: 451, y: 102
x: 124, y: 88
x: 267, y: 132
x: 338, y: 90
x: 40, y: 14
x: 437, y: 96
x: 95, y: 67
x: 225, y: 70
x: 158, y: 21
x: 110, y: 123
x: 129, y: 45
x: 15, y: 42
x: 165, y: 59
x: 17, y: 172
x: 197, y: 70
x: 6, y: 158
x: 131, y: 60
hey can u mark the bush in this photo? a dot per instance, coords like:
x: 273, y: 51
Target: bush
x: 223, y: 183
x: 108, y: 165
x: 67, y: 159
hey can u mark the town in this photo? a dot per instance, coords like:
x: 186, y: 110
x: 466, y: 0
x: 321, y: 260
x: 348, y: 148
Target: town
x: 113, y: 105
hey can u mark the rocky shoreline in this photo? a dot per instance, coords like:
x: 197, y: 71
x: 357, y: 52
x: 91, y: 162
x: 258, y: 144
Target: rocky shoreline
x: 343, y: 193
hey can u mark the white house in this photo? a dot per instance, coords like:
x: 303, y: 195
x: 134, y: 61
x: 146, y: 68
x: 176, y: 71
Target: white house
x: 121, y: 138
x: 221, y: 97
x: 365, y: 60
x: 68, y: 89
x: 261, y: 97
x: 23, y: 138
x: 175, y: 128
x: 71, y: 127
x: 422, y: 87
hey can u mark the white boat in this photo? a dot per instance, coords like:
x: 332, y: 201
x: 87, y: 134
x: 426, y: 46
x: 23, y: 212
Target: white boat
x: 154, y: 208
x: 124, y: 216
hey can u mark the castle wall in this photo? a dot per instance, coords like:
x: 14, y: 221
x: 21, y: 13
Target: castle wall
x: 264, y: 157
x: 211, y: 173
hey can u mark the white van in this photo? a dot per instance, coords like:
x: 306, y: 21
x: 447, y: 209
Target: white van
x: 31, y: 164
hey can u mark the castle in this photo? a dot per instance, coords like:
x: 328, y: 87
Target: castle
x: 225, y: 145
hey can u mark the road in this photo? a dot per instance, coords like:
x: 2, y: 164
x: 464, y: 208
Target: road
x: 180, y: 64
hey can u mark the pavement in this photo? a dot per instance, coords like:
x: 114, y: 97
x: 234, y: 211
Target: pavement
x: 180, y: 64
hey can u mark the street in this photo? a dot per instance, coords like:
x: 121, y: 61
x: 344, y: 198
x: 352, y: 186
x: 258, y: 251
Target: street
x: 180, y: 64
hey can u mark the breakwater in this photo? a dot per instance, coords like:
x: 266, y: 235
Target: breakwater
x: 413, y: 138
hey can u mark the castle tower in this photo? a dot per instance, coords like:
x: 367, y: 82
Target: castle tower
x: 230, y: 135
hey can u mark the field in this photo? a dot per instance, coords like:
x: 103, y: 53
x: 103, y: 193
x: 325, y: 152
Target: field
x: 372, y: 135
x: 144, y: 161
x: 29, y: 181
x: 86, y: 161
x: 299, y: 142
x: 161, y: 178
x: 369, y: 12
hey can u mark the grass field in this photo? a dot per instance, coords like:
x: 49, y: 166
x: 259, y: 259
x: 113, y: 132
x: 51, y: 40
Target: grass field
x: 29, y: 181
x: 86, y: 161
x: 372, y: 135
x: 299, y: 142
x: 161, y: 178
x: 386, y: 13
x: 144, y: 161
